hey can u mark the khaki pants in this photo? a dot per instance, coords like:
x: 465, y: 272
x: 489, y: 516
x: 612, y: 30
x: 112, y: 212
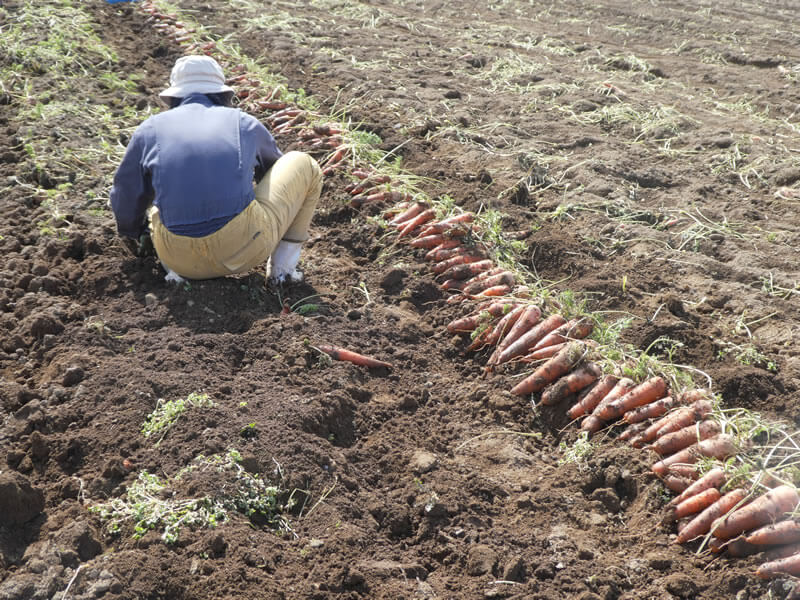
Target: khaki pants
x: 284, y: 205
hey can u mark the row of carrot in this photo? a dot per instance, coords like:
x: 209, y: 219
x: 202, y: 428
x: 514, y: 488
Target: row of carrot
x: 678, y: 428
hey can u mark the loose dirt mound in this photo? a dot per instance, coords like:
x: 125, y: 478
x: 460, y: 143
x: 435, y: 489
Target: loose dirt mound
x: 647, y: 157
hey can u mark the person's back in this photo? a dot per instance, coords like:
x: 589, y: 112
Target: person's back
x: 193, y: 166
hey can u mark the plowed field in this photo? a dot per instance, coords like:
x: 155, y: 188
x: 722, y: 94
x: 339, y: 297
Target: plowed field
x: 643, y: 155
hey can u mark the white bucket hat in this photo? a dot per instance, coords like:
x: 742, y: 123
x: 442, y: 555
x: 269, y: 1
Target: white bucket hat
x: 195, y: 75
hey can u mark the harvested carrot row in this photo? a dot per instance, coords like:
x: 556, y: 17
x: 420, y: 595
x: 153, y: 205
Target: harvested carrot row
x: 649, y: 411
x: 694, y: 504
x: 644, y: 393
x: 674, y: 421
x: 702, y: 523
x: 561, y: 364
x: 720, y: 446
x: 714, y: 478
x: 571, y: 383
x: 529, y: 339
x: 589, y: 402
x: 783, y: 532
x: 683, y: 438
x: 573, y: 329
x: 767, y: 508
x: 337, y: 353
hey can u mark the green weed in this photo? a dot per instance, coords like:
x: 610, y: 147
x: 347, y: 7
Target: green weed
x: 167, y: 413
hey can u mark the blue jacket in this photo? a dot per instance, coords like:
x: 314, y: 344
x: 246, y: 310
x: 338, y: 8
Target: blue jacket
x: 196, y: 163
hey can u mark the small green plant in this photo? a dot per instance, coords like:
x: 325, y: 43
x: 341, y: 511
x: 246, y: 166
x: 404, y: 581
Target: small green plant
x: 167, y: 413
x: 154, y: 504
x: 578, y: 453
x: 249, y: 431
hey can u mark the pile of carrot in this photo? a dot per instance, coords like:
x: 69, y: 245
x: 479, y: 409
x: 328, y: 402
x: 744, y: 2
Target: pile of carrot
x: 677, y: 428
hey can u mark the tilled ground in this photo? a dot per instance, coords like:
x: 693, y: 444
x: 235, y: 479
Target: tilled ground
x: 648, y: 156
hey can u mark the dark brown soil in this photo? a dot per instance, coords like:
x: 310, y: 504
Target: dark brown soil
x: 411, y: 482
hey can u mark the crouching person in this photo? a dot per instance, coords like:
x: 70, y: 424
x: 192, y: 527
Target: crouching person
x: 188, y: 180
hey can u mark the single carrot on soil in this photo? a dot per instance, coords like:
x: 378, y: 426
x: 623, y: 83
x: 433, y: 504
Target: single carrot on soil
x: 337, y: 353
x: 781, y: 567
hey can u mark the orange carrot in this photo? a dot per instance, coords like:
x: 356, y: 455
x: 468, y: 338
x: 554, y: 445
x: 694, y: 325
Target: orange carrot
x: 714, y: 478
x: 701, y: 524
x: 675, y: 483
x: 543, y: 353
x: 383, y: 196
x: 689, y: 471
x: 529, y: 317
x: 448, y: 224
x: 459, y: 259
x: 478, y: 286
x: 504, y: 324
x: 649, y: 411
x: 767, y: 508
x: 529, y: 339
x: 470, y: 322
x: 781, y: 567
x: 408, y: 214
x: 559, y: 365
x: 783, y: 532
x: 337, y: 353
x: 571, y: 383
x: 673, y: 421
x: 468, y: 270
x: 590, y: 401
x: 449, y: 249
x: 490, y: 292
x: 720, y: 446
x: 781, y: 551
x: 736, y: 548
x: 415, y: 222
x: 694, y: 504
x: 573, y: 329
x: 683, y: 438
x: 428, y: 241
x: 632, y: 430
x: 644, y: 393
x: 592, y: 423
